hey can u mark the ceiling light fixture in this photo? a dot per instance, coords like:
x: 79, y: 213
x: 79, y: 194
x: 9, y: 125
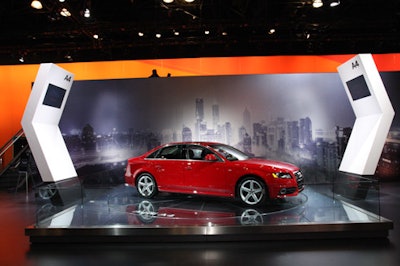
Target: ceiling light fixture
x: 36, y: 4
x: 189, y: 1
x: 141, y: 34
x: 206, y: 32
x: 271, y: 31
x: 21, y: 59
x: 158, y: 35
x: 335, y: 3
x: 317, y: 3
x: 86, y: 13
x: 68, y: 57
x: 168, y: 1
x: 65, y: 13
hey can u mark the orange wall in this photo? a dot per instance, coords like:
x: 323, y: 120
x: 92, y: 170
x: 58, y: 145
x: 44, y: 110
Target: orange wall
x: 16, y: 80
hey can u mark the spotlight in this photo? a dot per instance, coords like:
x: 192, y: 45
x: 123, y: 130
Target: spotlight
x: 335, y: 3
x: 271, y: 31
x: 141, y: 34
x: 68, y: 57
x: 21, y: 59
x: 168, y: 1
x: 86, y: 13
x: 65, y: 13
x: 158, y: 35
x: 189, y: 1
x: 317, y: 3
x: 36, y: 4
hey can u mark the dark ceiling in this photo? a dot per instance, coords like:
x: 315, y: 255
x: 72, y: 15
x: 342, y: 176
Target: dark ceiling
x: 236, y: 28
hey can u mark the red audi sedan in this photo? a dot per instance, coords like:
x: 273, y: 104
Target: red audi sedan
x: 214, y: 169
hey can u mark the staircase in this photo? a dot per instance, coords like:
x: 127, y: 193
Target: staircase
x: 13, y: 171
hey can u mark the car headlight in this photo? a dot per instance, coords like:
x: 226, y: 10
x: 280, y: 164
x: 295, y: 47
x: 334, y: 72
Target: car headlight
x: 281, y: 175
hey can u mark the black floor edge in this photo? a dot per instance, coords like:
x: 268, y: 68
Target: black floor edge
x: 128, y: 234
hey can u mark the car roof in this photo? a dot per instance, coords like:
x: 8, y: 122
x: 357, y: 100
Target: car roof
x: 203, y: 143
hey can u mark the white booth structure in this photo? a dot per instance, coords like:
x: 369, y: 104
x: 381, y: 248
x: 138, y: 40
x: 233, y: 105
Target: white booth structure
x: 40, y: 123
x: 374, y: 115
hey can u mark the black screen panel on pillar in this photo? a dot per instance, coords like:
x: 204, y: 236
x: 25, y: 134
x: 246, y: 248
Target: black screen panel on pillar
x: 358, y: 88
x: 54, y: 96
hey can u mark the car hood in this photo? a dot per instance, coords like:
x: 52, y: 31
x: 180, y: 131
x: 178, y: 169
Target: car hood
x: 278, y: 165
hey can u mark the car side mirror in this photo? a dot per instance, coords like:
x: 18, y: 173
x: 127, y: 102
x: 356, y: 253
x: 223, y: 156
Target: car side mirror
x: 211, y: 157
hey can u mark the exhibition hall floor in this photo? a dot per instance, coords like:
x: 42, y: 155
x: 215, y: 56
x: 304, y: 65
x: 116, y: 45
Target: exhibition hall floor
x: 118, y: 207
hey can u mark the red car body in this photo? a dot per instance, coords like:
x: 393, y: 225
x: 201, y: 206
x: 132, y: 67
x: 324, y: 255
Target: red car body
x: 214, y: 169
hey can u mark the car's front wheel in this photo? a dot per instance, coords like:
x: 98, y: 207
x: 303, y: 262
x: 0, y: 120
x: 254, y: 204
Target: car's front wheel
x: 252, y: 191
x: 146, y: 185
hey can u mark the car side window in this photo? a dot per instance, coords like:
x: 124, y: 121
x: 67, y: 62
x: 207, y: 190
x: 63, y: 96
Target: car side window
x: 170, y: 152
x: 153, y: 154
x: 195, y: 152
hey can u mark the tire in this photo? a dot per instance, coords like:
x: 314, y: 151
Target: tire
x: 146, y: 186
x: 251, y: 191
x: 47, y: 192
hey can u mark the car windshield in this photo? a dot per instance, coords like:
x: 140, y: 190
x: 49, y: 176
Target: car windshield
x: 229, y: 152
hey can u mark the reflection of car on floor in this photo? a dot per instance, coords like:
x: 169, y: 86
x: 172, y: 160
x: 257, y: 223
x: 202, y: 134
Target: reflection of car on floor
x: 180, y: 211
x: 146, y: 212
x: 213, y: 169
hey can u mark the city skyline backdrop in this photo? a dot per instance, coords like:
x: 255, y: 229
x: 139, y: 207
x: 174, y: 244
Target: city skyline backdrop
x: 159, y: 104
x: 300, y: 118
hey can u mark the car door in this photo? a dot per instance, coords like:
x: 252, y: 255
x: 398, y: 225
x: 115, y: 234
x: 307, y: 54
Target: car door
x: 204, y: 176
x: 168, y: 168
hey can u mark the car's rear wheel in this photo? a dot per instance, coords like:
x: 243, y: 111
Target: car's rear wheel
x: 252, y: 191
x: 146, y: 185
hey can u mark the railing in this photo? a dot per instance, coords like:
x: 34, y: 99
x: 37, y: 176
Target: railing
x: 9, y: 145
x: 11, y: 142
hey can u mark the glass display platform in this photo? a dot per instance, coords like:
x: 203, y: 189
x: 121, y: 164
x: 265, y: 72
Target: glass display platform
x: 116, y: 214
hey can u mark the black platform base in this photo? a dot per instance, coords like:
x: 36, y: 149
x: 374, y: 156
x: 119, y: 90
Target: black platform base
x: 207, y: 234
x: 119, y: 216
